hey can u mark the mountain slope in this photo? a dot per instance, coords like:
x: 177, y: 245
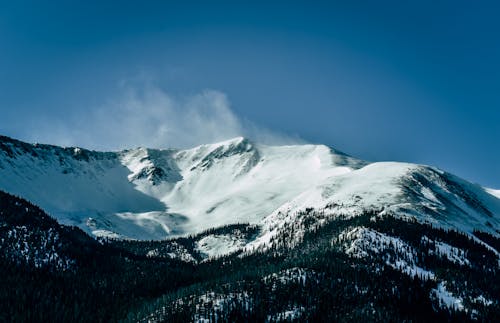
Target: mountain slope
x: 404, y: 190
x: 55, y: 273
x: 332, y: 238
x: 154, y: 194
x: 368, y: 267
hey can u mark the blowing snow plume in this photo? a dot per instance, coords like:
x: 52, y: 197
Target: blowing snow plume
x: 148, y: 116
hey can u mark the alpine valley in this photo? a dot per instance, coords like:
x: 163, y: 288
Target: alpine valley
x: 239, y: 231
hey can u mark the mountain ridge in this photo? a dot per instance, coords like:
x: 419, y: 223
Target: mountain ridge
x: 330, y: 238
x: 147, y: 177
x: 145, y: 193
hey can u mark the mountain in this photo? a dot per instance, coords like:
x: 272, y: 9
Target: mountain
x: 55, y: 273
x: 238, y: 231
x: 368, y: 268
x: 155, y: 194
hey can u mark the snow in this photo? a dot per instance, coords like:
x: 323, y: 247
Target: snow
x: 73, y: 189
x: 291, y: 314
x: 447, y: 299
x: 495, y: 193
x: 361, y: 242
x: 213, y: 301
x: 372, y: 187
x: 400, y: 189
x: 180, y: 252
x: 428, y: 194
x: 156, y: 194
x: 245, y: 186
x: 40, y: 249
x: 291, y: 275
x: 213, y: 246
x: 483, y: 300
x: 206, y: 306
x: 412, y: 270
x: 101, y: 233
x: 453, y: 254
x: 467, y: 206
x: 152, y: 194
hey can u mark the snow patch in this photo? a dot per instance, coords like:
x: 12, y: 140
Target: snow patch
x: 291, y: 275
x: 288, y: 315
x: 447, y: 299
x: 40, y: 249
x: 106, y: 234
x: 453, y: 254
x: 495, y: 193
x: 361, y: 242
x: 213, y: 246
x: 483, y: 300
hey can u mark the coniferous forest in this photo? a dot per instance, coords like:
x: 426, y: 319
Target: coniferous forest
x: 364, y: 268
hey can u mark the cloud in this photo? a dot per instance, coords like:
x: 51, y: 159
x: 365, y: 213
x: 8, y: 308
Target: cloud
x: 147, y: 116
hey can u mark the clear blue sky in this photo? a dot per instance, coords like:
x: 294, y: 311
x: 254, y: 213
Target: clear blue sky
x: 415, y: 81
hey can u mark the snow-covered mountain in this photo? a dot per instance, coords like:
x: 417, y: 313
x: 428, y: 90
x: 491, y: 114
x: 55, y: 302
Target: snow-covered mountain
x: 153, y: 194
x: 258, y: 233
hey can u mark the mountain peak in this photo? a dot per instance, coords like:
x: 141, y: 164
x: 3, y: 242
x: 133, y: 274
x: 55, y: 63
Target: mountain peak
x: 152, y: 193
x: 235, y: 140
x: 237, y: 144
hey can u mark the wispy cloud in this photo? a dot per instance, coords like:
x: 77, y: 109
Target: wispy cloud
x: 147, y: 116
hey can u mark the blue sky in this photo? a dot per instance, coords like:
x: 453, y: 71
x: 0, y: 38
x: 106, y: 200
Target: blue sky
x: 415, y: 81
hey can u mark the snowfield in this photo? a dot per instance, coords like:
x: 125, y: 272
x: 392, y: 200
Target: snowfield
x: 153, y: 194
x: 218, y: 245
x: 156, y: 194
